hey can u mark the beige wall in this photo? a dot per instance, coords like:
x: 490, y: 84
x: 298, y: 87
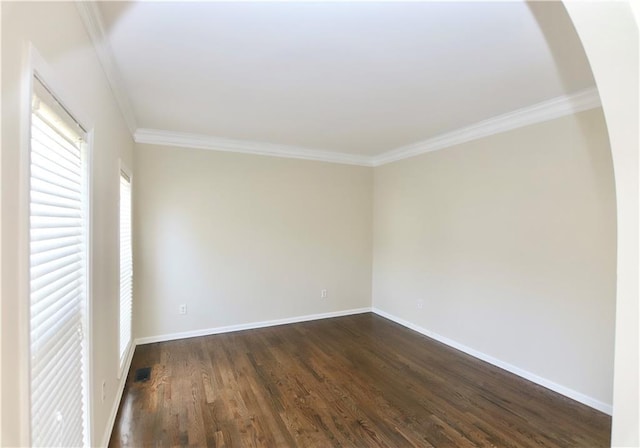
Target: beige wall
x: 525, y: 215
x: 244, y: 238
x: 510, y: 242
x: 57, y: 32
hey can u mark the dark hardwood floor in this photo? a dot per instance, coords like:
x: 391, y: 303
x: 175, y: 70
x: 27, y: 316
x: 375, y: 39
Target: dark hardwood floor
x: 356, y: 381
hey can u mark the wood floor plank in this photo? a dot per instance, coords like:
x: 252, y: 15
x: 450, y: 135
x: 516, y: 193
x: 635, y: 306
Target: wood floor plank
x: 355, y: 381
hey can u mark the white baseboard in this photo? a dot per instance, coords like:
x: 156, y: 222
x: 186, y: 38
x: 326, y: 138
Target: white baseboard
x: 574, y: 395
x: 563, y: 390
x: 116, y: 404
x: 248, y: 326
x: 205, y: 332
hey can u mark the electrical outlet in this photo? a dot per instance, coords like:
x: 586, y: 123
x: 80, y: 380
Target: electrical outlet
x: 104, y: 390
x: 420, y: 304
x: 323, y: 293
x: 182, y: 309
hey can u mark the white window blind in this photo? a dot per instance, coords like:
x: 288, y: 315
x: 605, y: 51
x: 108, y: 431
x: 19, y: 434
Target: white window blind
x: 57, y: 274
x: 126, y: 266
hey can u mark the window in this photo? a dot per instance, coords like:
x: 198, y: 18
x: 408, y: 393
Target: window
x: 126, y: 266
x: 57, y: 274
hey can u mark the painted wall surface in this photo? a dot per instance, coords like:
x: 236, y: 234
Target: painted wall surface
x: 609, y: 33
x: 57, y: 32
x: 242, y: 238
x: 509, y: 244
x: 526, y: 214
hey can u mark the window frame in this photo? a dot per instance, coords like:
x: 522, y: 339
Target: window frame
x: 34, y: 66
x: 124, y: 361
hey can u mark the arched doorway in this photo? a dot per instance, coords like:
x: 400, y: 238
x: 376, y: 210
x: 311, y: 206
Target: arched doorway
x: 609, y: 34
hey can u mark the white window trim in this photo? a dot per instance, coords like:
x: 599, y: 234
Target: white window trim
x: 35, y: 65
x: 124, y: 362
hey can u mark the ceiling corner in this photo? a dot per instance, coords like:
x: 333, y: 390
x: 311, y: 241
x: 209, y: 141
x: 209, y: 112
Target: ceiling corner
x: 551, y: 109
x: 92, y: 19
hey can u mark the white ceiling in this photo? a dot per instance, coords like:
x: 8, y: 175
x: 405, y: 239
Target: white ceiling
x: 357, y: 78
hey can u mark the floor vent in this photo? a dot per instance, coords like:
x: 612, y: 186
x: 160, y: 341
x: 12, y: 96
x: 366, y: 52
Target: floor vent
x: 143, y: 374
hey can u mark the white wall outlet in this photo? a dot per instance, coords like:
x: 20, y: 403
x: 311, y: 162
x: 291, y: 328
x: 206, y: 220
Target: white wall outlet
x: 104, y: 390
x: 323, y: 293
x: 420, y: 304
x: 182, y: 309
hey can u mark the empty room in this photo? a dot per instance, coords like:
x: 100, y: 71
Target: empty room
x: 319, y: 224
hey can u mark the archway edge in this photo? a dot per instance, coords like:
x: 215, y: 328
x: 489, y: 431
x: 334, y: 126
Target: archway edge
x: 609, y: 34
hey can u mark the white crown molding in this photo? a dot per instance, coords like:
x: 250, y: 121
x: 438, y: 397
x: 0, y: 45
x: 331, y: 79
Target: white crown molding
x: 93, y: 23
x: 537, y: 113
x: 544, y: 111
x: 199, y: 141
